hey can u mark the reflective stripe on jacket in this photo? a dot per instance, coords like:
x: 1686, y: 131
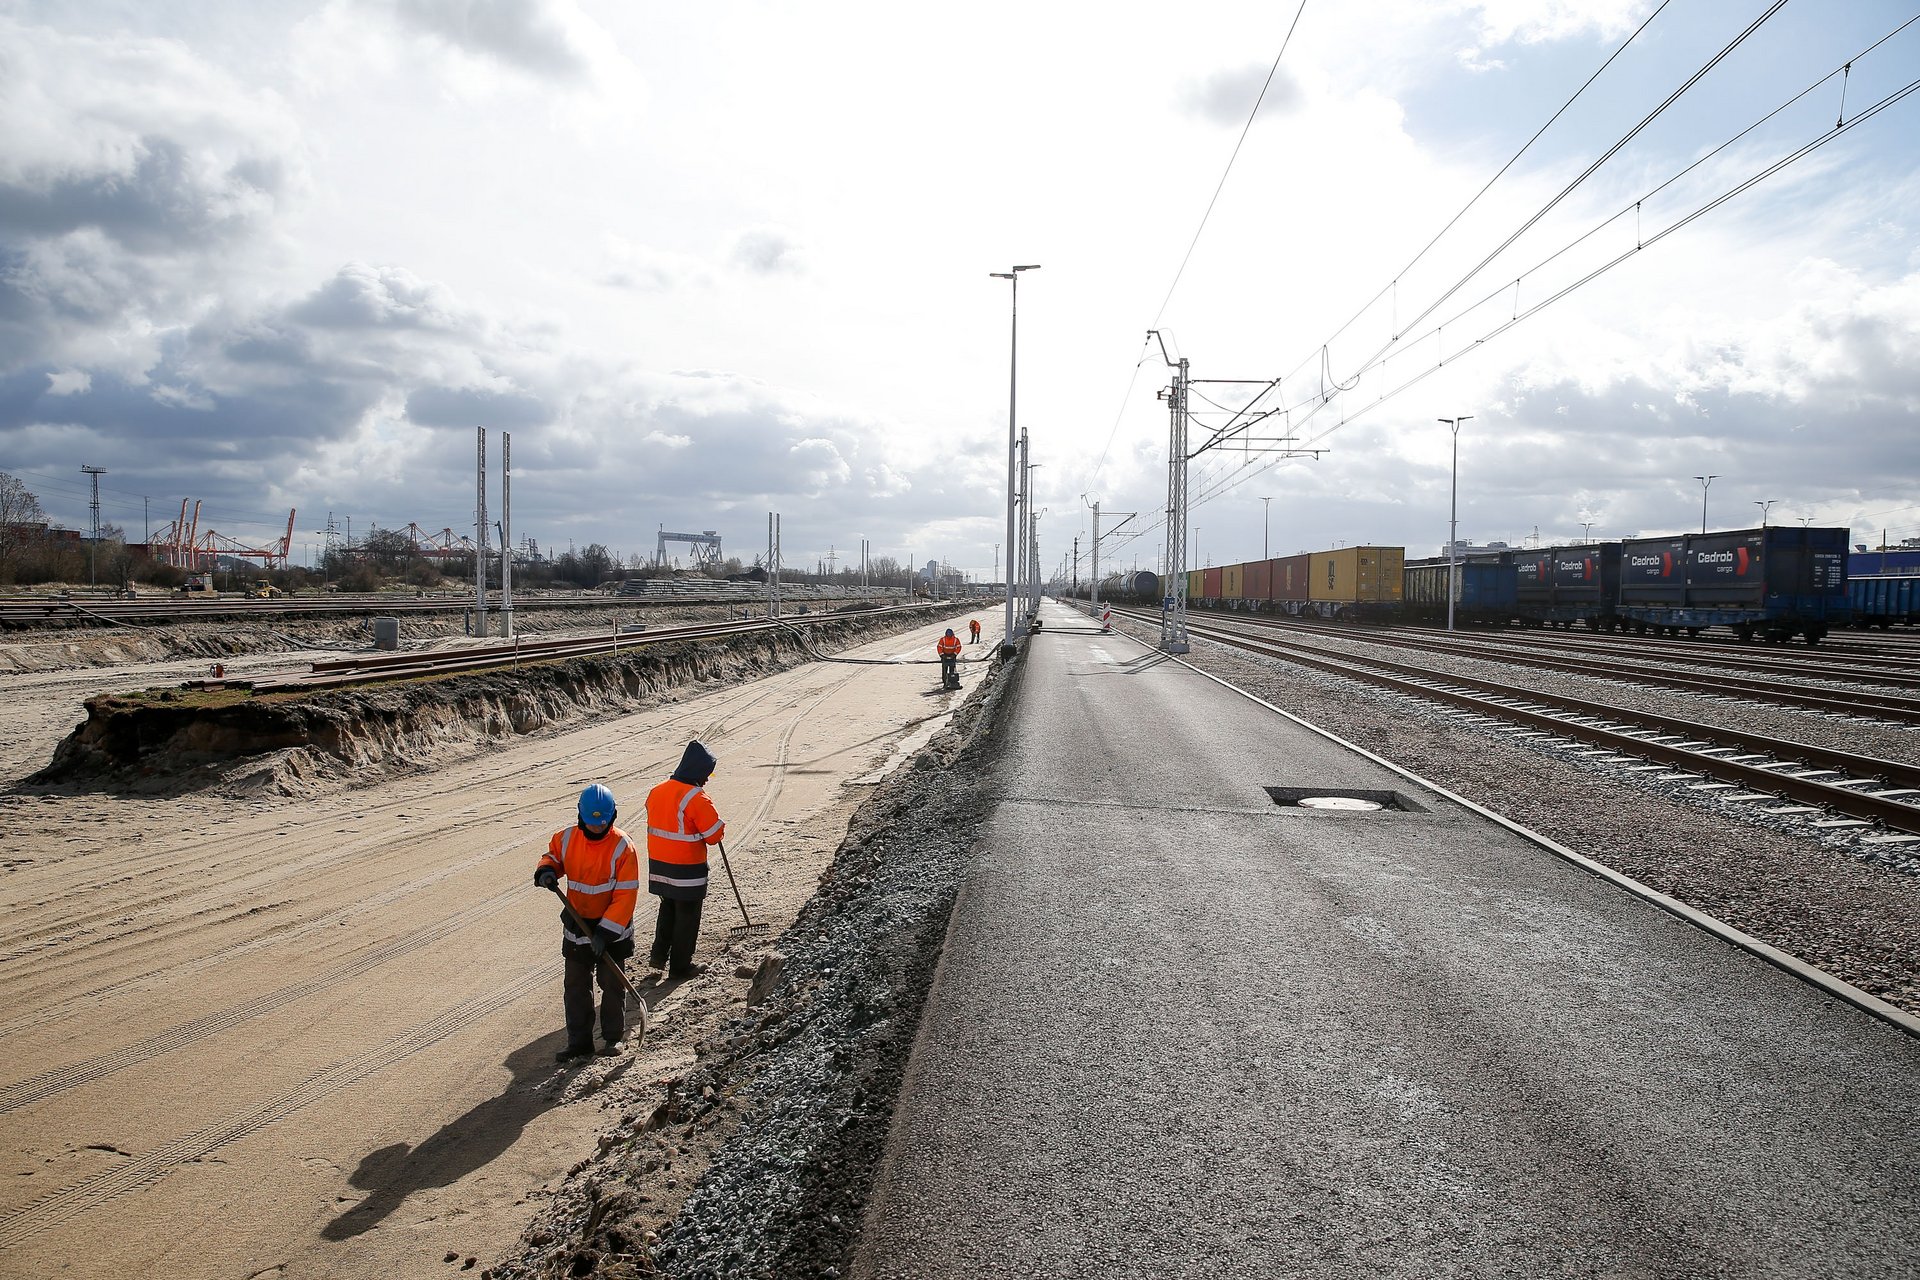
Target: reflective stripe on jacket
x: 603, y: 878
x: 949, y: 646
x: 681, y: 823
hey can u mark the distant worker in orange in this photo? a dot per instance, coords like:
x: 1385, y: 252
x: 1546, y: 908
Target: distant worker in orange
x: 949, y: 651
x: 603, y: 883
x: 973, y: 626
x: 681, y: 824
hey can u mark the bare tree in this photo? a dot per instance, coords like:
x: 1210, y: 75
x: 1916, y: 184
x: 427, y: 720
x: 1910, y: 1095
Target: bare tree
x: 20, y: 518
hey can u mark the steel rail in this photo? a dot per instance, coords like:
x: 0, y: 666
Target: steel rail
x: 1892, y: 706
x: 1806, y: 972
x: 337, y: 673
x: 1899, y: 671
x: 1884, y: 808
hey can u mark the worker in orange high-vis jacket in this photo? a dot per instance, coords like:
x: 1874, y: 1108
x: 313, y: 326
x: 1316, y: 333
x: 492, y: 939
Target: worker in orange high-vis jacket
x: 949, y: 651
x: 973, y: 628
x: 602, y: 871
x: 681, y: 824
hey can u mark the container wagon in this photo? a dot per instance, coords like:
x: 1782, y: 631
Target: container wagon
x: 1356, y: 584
x: 1485, y: 589
x: 1897, y: 561
x: 1258, y: 586
x: 1775, y: 582
x: 1564, y: 585
x: 1212, y: 584
x: 1290, y: 594
x: 1884, y: 600
x: 1231, y: 579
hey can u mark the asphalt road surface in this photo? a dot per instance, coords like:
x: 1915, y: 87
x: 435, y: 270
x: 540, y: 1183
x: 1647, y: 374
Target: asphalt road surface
x: 1180, y: 1030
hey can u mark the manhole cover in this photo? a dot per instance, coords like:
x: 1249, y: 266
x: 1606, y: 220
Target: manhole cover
x: 1342, y: 799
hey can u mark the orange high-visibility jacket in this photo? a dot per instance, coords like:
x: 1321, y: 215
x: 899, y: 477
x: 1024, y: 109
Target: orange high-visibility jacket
x: 681, y: 823
x: 949, y: 646
x: 603, y: 877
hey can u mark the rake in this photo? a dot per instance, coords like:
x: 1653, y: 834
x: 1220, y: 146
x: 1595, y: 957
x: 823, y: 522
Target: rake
x: 748, y: 926
x: 580, y: 927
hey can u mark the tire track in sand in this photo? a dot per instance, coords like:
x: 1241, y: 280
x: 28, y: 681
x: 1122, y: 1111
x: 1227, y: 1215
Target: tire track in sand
x: 60, y: 1079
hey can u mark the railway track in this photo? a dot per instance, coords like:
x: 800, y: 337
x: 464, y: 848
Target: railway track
x: 88, y: 612
x: 1861, y: 790
x: 339, y: 672
x: 1606, y: 662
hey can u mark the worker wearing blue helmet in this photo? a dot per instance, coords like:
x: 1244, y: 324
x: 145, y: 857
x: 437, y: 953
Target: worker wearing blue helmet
x: 602, y: 870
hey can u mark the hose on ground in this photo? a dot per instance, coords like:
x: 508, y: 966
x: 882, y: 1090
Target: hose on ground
x: 807, y: 643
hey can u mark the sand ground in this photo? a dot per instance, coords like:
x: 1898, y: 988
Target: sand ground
x: 314, y: 1037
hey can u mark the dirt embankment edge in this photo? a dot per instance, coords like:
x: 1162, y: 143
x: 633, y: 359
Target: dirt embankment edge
x: 145, y: 744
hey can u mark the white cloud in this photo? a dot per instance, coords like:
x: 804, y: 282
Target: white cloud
x: 768, y: 251
x: 1227, y: 97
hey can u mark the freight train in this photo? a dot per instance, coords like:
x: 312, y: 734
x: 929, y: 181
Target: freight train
x: 1774, y: 583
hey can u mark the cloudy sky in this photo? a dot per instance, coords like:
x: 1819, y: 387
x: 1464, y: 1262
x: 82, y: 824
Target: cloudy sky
x: 710, y: 261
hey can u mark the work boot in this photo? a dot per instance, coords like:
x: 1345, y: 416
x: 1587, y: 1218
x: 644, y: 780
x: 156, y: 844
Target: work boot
x: 688, y: 970
x: 573, y: 1051
x: 657, y: 960
x: 610, y: 1048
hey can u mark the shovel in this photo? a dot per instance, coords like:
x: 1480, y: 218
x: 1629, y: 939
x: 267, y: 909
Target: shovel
x: 580, y: 927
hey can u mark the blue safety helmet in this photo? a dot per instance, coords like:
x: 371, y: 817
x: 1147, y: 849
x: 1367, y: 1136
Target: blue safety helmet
x: 597, y: 810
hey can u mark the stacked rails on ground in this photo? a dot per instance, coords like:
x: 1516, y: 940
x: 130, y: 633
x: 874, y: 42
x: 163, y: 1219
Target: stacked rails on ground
x: 1483, y: 593
x: 1775, y: 582
x: 1885, y: 600
x: 1560, y: 586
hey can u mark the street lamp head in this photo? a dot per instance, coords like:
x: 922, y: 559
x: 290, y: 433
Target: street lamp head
x: 1031, y: 266
x: 1001, y: 275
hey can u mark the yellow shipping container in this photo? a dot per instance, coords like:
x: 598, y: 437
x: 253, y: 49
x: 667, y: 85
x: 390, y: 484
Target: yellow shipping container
x: 1193, y: 584
x: 1230, y: 588
x: 1357, y: 575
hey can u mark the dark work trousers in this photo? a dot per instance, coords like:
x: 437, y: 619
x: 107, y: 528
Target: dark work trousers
x: 675, y: 931
x: 582, y: 969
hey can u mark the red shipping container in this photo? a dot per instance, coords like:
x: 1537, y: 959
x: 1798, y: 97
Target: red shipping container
x: 1212, y: 581
x: 1290, y: 577
x: 1258, y: 581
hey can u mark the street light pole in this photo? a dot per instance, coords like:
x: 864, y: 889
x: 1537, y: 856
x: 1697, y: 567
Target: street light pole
x: 1453, y: 519
x: 1706, y: 482
x: 1266, y: 511
x: 1764, y: 505
x: 1013, y: 441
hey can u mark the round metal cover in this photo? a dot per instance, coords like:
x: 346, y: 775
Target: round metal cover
x: 1336, y: 802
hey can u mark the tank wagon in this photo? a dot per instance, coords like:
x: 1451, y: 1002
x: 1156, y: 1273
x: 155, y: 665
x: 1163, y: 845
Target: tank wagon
x: 1774, y: 582
x: 1485, y: 590
x: 1564, y: 585
x: 1884, y: 599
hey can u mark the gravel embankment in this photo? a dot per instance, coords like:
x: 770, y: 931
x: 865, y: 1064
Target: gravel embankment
x: 793, y: 1095
x: 1877, y: 738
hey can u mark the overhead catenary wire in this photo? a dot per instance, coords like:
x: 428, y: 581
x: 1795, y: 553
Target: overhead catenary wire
x: 1309, y: 409
x: 1397, y: 331
x: 1209, y: 491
